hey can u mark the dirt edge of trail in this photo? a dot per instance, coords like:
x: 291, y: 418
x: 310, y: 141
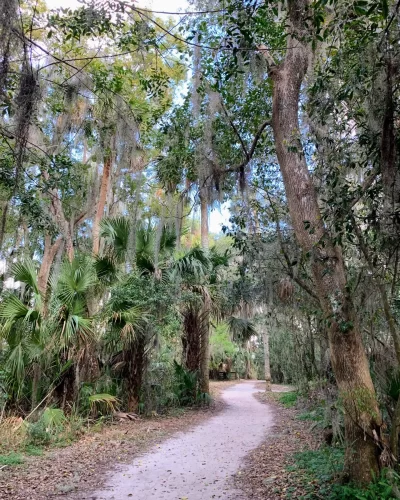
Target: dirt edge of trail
x: 83, y: 465
x: 264, y: 473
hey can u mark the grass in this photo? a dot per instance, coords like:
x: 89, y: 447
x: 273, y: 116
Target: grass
x: 288, y: 399
x: 11, y: 459
x: 313, y: 416
x: 52, y: 429
x: 319, y: 470
x: 33, y: 451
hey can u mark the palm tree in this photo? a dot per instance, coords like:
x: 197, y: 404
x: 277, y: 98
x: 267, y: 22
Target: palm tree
x: 197, y: 273
x: 115, y: 232
x: 242, y: 330
x: 126, y: 341
x: 22, y: 328
x: 146, y: 242
x: 73, y: 327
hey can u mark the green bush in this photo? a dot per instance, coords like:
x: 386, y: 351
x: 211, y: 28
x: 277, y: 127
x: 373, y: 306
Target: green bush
x: 185, y: 386
x: 288, y: 399
x: 11, y: 459
x: 34, y: 451
x: 319, y: 470
x: 54, y: 428
x: 38, y: 435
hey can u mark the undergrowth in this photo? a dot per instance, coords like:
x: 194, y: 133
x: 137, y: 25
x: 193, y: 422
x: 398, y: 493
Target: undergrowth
x: 11, y: 459
x: 288, y: 399
x: 319, y: 471
x: 52, y: 428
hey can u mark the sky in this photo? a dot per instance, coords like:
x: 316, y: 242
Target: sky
x: 220, y: 216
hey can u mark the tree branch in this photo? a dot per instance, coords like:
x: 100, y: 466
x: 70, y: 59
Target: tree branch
x: 250, y: 153
x: 242, y: 143
x: 365, y: 185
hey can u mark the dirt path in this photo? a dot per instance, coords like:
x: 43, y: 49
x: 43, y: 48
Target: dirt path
x: 197, y: 465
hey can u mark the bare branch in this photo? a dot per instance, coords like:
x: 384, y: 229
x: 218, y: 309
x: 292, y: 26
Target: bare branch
x: 250, y: 153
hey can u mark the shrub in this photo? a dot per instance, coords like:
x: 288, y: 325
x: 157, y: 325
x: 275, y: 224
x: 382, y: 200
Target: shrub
x: 11, y: 459
x: 288, y: 399
x: 185, y: 386
x: 319, y: 470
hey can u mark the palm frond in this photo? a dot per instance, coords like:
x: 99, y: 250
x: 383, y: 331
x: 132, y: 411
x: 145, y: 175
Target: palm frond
x: 168, y: 240
x: 145, y: 262
x: 15, y: 366
x: 107, y: 400
x: 241, y: 329
x: 53, y: 418
x: 75, y: 278
x: 105, y: 268
x: 145, y: 237
x: 76, y: 330
x: 26, y: 272
x: 12, y: 309
x: 115, y: 231
x: 194, y: 263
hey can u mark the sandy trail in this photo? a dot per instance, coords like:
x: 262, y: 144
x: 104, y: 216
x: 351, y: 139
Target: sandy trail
x: 197, y: 465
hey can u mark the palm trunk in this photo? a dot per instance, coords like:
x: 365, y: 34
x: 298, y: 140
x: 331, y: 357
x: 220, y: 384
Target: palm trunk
x: 205, y: 358
x: 267, y: 370
x: 136, y: 361
x: 349, y: 361
x: 205, y: 338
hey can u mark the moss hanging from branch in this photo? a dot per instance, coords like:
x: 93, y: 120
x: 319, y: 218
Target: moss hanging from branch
x: 8, y: 16
x: 26, y: 105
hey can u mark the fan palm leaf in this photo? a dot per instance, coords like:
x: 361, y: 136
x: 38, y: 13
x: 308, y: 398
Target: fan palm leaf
x: 26, y: 272
x: 194, y: 263
x: 241, y: 329
x: 75, y: 279
x: 115, y: 231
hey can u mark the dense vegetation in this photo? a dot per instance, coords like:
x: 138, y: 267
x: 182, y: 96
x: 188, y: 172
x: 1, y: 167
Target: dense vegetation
x: 122, y: 131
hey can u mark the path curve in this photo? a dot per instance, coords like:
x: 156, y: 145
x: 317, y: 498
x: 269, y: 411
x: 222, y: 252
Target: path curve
x: 199, y: 464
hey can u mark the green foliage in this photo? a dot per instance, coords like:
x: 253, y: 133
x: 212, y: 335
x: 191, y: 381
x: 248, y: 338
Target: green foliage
x: 53, y: 428
x: 103, y: 402
x: 53, y: 419
x: 221, y: 344
x: 319, y: 472
x: 11, y: 459
x: 185, y: 386
x: 288, y: 399
x: 313, y: 415
x: 34, y: 451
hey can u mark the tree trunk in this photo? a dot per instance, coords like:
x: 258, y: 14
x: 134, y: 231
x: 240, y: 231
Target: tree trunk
x: 50, y: 251
x: 105, y: 181
x: 267, y: 369
x: 205, y: 339
x: 191, y: 338
x: 349, y: 361
x: 135, y: 366
x: 3, y: 222
x: 391, y: 322
x: 389, y: 168
x: 205, y: 358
